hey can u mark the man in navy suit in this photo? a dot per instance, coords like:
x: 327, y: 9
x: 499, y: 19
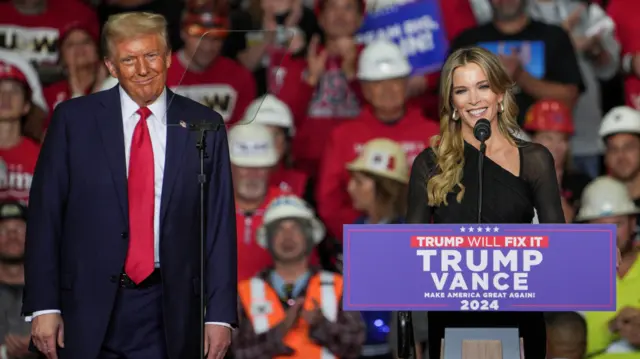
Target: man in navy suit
x: 112, y: 251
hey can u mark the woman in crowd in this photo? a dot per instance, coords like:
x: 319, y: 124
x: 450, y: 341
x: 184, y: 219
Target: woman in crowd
x: 519, y: 177
x: 377, y: 188
x: 550, y: 124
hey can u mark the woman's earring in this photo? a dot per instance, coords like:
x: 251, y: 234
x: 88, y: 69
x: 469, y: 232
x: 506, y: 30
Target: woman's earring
x: 501, y: 107
x: 454, y: 115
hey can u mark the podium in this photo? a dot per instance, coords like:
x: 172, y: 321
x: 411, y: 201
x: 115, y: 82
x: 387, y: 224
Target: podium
x: 471, y: 268
x: 481, y: 343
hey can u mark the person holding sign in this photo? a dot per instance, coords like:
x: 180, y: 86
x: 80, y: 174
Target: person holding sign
x: 607, y: 201
x: 520, y: 176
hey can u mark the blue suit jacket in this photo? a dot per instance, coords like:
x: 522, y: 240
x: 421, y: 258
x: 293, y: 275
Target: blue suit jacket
x: 77, y: 234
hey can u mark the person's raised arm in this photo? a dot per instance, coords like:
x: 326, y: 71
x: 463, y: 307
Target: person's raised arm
x: 221, y: 247
x: 418, y: 210
x: 47, y: 203
x: 540, y: 172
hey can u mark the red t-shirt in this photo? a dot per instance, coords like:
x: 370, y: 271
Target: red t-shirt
x: 624, y: 14
x: 17, y: 165
x: 225, y: 86
x: 36, y: 36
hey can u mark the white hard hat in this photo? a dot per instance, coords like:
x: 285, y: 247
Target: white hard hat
x: 289, y: 207
x: 605, y: 197
x: 270, y: 111
x: 621, y: 119
x: 109, y: 83
x: 382, y: 60
x: 252, y: 146
x: 384, y: 158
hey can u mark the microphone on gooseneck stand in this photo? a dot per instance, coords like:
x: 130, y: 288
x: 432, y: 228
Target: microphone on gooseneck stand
x: 482, y: 132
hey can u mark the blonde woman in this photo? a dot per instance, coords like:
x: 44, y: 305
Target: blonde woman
x: 377, y: 187
x: 519, y: 176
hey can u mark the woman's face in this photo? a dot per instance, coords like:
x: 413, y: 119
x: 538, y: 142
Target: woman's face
x: 79, y: 49
x: 362, y: 190
x: 472, y: 97
x: 556, y: 142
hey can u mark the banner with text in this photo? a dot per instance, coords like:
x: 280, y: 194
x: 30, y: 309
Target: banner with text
x: 416, y: 27
x: 497, y: 267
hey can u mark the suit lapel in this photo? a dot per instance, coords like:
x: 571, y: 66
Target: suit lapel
x: 177, y: 140
x: 111, y: 127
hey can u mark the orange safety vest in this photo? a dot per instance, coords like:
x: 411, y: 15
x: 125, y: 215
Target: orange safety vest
x: 264, y: 309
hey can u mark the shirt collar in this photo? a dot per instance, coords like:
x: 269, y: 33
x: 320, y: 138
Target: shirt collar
x: 158, y: 108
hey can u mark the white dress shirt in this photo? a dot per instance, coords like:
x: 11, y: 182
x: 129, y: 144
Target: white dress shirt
x: 157, y: 124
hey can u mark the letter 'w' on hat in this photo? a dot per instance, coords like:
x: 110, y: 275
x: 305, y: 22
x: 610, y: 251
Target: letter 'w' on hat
x: 384, y: 158
x: 252, y: 146
x: 12, y: 210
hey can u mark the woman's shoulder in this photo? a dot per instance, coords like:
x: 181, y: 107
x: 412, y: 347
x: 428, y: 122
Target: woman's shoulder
x: 531, y: 150
x: 426, y: 157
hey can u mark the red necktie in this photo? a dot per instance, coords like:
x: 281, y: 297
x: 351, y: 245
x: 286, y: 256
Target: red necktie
x: 140, y: 260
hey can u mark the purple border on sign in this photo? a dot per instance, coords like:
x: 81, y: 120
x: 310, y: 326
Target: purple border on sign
x: 542, y: 229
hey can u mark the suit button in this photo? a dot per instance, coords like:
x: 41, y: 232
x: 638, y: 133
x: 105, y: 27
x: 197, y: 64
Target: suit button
x: 124, y: 235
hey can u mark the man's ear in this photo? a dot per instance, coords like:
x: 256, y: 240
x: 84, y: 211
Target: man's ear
x: 111, y: 67
x: 168, y: 58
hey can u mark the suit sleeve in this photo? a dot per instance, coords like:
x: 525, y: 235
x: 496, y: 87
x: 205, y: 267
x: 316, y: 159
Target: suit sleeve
x: 47, y: 201
x: 221, y: 247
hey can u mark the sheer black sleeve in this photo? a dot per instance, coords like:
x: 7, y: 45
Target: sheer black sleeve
x: 538, y: 169
x: 418, y: 211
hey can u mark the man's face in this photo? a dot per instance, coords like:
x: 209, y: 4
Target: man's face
x: 250, y: 183
x: 140, y: 64
x: 203, y: 53
x: 386, y: 95
x: 622, y: 157
x: 506, y: 10
x: 288, y: 242
x: 12, y: 235
x: 340, y: 18
x: 625, y: 226
x: 13, y: 102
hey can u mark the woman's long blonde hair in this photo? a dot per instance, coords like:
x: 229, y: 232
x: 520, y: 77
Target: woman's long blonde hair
x: 448, y: 147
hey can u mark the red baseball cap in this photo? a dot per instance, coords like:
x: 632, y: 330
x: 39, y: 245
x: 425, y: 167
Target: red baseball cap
x: 208, y: 17
x: 11, y: 72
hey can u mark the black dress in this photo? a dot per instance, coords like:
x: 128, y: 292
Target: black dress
x: 506, y: 199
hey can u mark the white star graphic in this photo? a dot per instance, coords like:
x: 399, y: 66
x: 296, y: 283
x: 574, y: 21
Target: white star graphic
x: 495, y: 229
x: 479, y: 229
x: 462, y: 229
x: 487, y: 229
x: 470, y: 229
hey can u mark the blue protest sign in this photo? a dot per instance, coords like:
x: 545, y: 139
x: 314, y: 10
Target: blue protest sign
x: 416, y: 27
x: 530, y: 53
x: 497, y: 267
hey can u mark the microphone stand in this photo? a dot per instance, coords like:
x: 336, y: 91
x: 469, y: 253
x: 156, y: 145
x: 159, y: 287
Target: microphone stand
x: 202, y: 128
x: 483, y: 149
x: 406, y: 341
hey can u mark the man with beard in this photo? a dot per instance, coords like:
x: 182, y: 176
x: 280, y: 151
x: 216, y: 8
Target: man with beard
x: 615, y: 334
x: 293, y: 309
x: 539, y: 58
x: 14, y: 331
x: 620, y: 132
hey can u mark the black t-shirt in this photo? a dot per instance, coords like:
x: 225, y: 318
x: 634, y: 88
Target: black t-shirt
x: 546, y: 50
x: 572, y: 186
x: 246, y: 31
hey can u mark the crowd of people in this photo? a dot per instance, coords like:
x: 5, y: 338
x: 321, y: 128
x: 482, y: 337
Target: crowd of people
x: 323, y: 131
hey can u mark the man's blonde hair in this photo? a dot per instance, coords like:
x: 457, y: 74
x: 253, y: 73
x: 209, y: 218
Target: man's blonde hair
x: 130, y: 25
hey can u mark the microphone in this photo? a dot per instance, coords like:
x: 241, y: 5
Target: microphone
x: 482, y: 132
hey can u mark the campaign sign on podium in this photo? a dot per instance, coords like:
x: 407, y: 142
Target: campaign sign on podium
x: 489, y: 267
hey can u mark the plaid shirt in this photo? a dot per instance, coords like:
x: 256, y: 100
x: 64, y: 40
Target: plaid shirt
x: 344, y: 338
